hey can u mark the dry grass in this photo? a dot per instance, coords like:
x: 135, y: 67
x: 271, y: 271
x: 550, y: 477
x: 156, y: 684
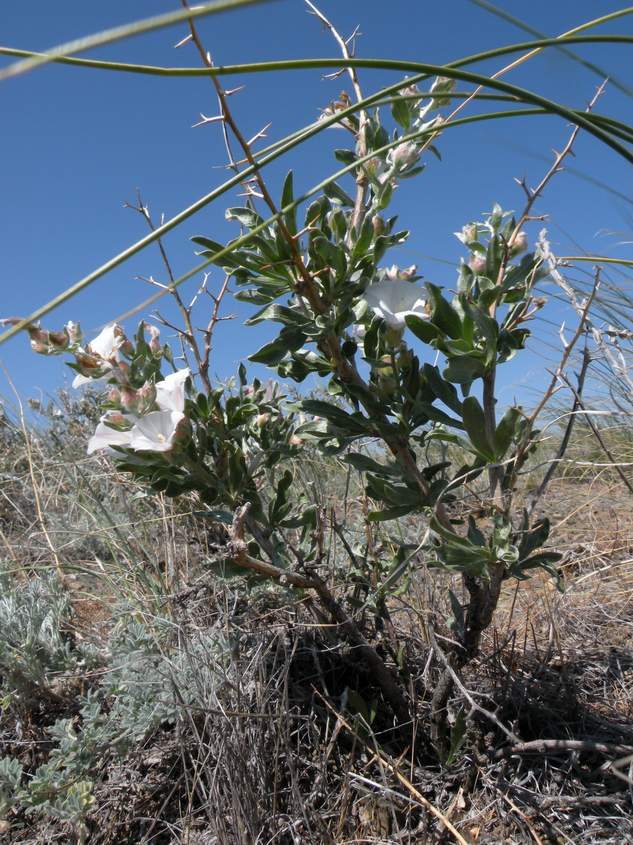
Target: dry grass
x: 276, y: 752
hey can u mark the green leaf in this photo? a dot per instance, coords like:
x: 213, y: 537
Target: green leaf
x: 270, y: 353
x: 280, y: 314
x: 475, y: 425
x: 401, y: 112
x: 422, y: 329
x: 287, y: 197
x: 442, y: 389
x: 390, y: 513
x: 363, y: 463
x: 505, y: 431
x: 245, y: 216
x: 334, y: 191
x: 534, y: 538
x: 464, y: 369
x: 444, y: 315
x: 352, y: 424
x: 346, y: 156
x: 457, y: 738
x: 280, y: 508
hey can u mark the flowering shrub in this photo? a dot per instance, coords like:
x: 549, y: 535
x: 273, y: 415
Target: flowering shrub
x: 369, y: 330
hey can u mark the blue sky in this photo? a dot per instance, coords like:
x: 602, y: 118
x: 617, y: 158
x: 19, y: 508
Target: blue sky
x: 78, y: 143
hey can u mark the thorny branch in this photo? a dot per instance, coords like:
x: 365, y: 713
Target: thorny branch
x: 202, y: 358
x: 306, y: 288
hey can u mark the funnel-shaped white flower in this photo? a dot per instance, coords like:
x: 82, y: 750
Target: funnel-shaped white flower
x: 395, y: 300
x: 155, y: 432
x: 107, y: 342
x: 106, y: 436
x: 106, y: 346
x: 170, y: 392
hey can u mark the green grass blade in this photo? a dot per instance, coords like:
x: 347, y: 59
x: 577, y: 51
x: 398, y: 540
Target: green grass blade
x: 304, y: 64
x: 506, y: 16
x: 235, y: 180
x: 118, y: 33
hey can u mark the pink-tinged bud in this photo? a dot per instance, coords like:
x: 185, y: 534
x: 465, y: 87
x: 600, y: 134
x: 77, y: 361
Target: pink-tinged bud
x: 114, y: 396
x: 468, y: 234
x: 374, y: 167
x: 410, y: 91
x: 477, y: 263
x: 59, y: 340
x: 518, y: 244
x: 40, y: 342
x: 295, y: 440
x: 146, y: 397
x: 403, y: 156
x: 118, y: 421
x: 89, y: 365
x: 129, y: 399
x: 379, y: 225
x: 261, y: 420
x: 408, y: 272
x: 442, y: 85
x: 154, y: 334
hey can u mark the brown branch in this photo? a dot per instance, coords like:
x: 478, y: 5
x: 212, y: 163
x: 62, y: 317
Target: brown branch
x: 361, y: 179
x: 237, y: 552
x: 543, y: 746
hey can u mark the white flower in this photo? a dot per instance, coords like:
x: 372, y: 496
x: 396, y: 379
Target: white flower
x: 155, y: 432
x: 106, y: 436
x: 170, y: 392
x: 107, y: 342
x: 395, y: 300
x: 106, y: 346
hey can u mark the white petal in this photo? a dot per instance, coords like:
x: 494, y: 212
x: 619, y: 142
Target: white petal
x: 106, y: 343
x: 155, y: 432
x: 394, y: 300
x: 105, y: 436
x: 170, y: 392
x: 80, y: 380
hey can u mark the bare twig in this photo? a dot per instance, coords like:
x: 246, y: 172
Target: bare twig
x: 535, y: 497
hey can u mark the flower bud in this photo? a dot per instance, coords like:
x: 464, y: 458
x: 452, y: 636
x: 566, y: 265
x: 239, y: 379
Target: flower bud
x: 403, y: 156
x: 442, y: 85
x: 74, y: 332
x: 295, y: 440
x: 261, y: 420
x: 89, y: 365
x: 468, y: 234
x: 145, y: 397
x: 118, y: 421
x: 379, y: 225
x: 114, y: 396
x: 154, y: 343
x: 59, y: 341
x: 518, y: 244
x: 40, y: 342
x: 129, y: 399
x: 477, y: 263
